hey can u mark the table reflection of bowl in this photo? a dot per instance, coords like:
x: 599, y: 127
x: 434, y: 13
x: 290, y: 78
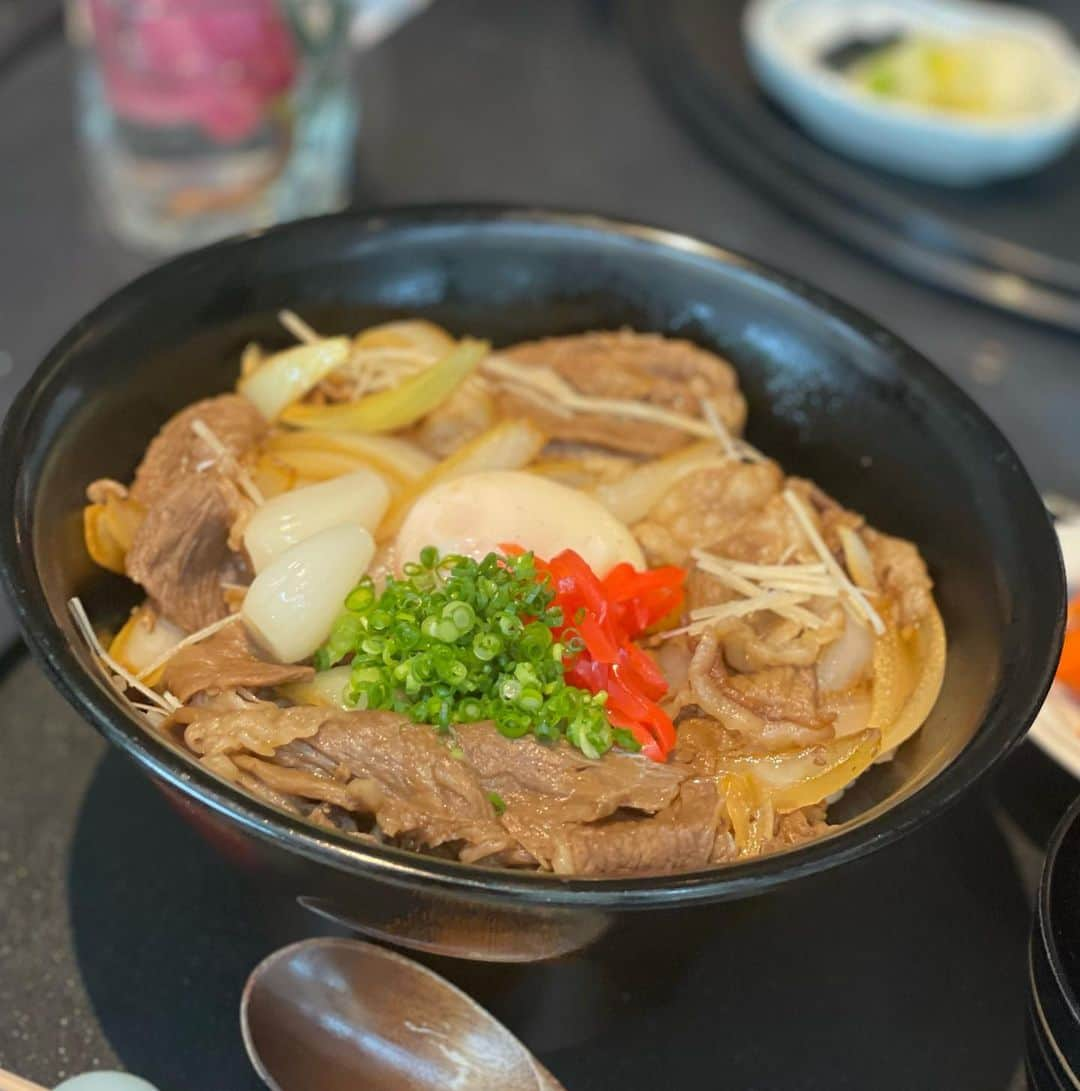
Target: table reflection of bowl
x: 831, y: 394
x: 794, y: 45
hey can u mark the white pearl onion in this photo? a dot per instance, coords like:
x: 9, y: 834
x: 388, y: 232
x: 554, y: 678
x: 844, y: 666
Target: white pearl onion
x: 361, y: 497
x: 291, y: 605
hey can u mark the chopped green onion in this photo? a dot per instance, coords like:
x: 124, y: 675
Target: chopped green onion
x: 456, y: 640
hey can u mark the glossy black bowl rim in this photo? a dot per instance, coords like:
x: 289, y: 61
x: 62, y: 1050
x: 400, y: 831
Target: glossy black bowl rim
x: 1043, y: 931
x: 1003, y: 726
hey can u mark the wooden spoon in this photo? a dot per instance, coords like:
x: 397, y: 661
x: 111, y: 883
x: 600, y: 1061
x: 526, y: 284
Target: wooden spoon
x: 343, y: 1015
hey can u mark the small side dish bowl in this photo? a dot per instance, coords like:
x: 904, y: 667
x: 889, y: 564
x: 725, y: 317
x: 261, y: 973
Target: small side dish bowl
x: 1053, y: 1033
x: 789, y: 43
x: 831, y: 394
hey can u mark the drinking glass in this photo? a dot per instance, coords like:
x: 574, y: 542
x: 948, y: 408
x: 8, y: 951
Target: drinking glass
x: 205, y: 118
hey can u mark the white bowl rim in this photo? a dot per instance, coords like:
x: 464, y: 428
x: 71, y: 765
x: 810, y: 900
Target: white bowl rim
x: 760, y: 17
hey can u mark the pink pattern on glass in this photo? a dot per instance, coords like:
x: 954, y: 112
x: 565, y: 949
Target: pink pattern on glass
x: 214, y: 64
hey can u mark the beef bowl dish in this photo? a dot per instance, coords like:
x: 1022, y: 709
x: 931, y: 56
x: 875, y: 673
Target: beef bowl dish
x: 523, y: 567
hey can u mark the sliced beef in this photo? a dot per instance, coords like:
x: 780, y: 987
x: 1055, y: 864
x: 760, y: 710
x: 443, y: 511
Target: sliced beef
x: 781, y: 693
x: 428, y: 796
x: 678, y: 838
x: 712, y: 693
x: 180, y: 554
x: 560, y: 782
x: 762, y: 641
x: 469, y: 411
x: 901, y: 573
x: 430, y: 791
x: 798, y: 827
x: 672, y: 374
x: 227, y: 660
x: 188, y: 500
x: 177, y: 452
x: 229, y: 726
x: 351, y: 795
x: 706, y: 507
x: 701, y: 741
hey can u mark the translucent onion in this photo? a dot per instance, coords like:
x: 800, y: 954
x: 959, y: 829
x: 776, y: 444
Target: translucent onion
x: 143, y: 640
x: 410, y: 333
x: 795, y: 779
x: 361, y: 497
x: 389, y: 410
x: 287, y: 376
x: 320, y: 465
x: 291, y: 605
x: 893, y: 678
x: 851, y: 709
x: 387, y: 454
x: 928, y: 647
x: 860, y: 564
x: 326, y: 689
x: 103, y: 548
x: 847, y: 660
x: 273, y: 477
x: 632, y: 497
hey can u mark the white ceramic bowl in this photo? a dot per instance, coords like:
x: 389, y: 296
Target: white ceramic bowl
x: 1057, y: 730
x: 787, y: 39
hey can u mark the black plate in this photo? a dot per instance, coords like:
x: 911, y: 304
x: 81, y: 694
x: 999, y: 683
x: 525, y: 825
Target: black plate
x: 832, y: 395
x: 1013, y: 244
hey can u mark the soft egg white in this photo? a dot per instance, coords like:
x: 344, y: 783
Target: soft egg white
x: 476, y: 514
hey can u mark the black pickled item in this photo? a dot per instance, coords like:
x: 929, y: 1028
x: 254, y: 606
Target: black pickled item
x: 1053, y: 1031
x: 841, y: 57
x: 832, y: 395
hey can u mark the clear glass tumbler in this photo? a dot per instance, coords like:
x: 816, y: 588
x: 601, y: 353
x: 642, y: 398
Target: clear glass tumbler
x: 205, y: 118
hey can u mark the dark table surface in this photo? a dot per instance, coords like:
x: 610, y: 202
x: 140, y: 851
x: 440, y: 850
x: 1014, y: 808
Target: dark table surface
x: 124, y: 941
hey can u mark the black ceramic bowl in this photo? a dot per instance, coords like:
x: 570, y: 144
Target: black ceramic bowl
x: 1053, y: 1031
x: 832, y: 395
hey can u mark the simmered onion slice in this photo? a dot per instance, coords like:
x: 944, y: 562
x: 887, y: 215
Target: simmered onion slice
x: 794, y: 779
x: 291, y: 605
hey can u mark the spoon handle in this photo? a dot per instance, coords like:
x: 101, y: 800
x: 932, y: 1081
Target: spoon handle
x: 10, y: 1082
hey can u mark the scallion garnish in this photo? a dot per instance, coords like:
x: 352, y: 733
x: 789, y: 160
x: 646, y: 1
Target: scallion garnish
x: 456, y: 640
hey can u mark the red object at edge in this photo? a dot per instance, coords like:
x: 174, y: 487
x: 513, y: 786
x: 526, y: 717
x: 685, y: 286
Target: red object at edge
x: 1068, y: 670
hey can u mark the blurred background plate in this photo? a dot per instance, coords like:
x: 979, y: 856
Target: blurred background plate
x: 1013, y: 245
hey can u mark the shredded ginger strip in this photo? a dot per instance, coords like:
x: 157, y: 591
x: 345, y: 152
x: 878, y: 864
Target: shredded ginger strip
x: 846, y: 587
x: 298, y: 327
x: 542, y: 383
x: 166, y: 702
x: 243, y: 478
